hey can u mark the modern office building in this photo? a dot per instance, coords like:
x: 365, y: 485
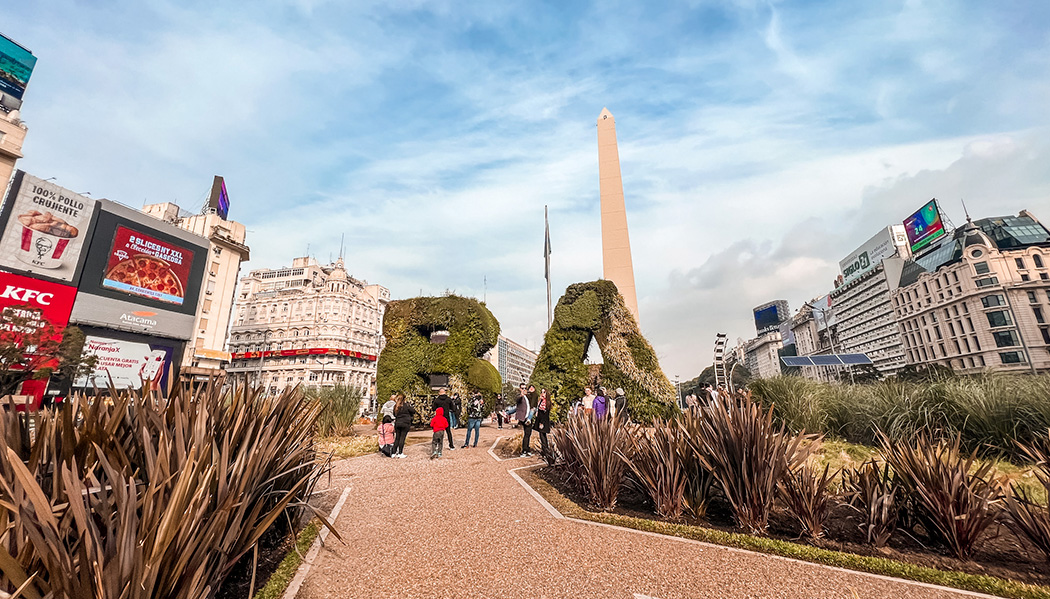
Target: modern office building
x: 309, y: 324
x: 862, y: 304
x: 513, y: 360
x: 206, y: 354
x: 980, y: 300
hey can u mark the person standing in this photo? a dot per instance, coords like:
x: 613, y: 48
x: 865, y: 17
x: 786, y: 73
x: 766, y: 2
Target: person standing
x: 587, y: 401
x: 403, y: 414
x: 443, y: 401
x: 385, y: 436
x: 439, y: 424
x: 601, y: 404
x: 542, y: 422
x: 521, y: 414
x: 475, y: 412
x: 388, y: 407
x: 620, y: 405
x: 499, y: 410
x: 457, y: 409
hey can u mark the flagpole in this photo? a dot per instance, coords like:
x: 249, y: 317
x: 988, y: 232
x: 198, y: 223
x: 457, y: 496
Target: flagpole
x: 547, y: 260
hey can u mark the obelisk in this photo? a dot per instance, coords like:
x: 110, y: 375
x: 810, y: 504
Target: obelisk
x: 616, y: 244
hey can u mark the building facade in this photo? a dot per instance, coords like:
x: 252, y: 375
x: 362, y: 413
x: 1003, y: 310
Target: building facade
x: 815, y: 334
x: 762, y: 355
x: 865, y: 317
x: 207, y: 354
x: 513, y: 360
x: 981, y: 299
x: 12, y: 136
x: 309, y: 324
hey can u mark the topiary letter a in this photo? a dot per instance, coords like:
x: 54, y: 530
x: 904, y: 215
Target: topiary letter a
x: 597, y: 310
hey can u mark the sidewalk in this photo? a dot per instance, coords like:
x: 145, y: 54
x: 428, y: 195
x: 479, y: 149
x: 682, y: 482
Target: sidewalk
x: 462, y: 526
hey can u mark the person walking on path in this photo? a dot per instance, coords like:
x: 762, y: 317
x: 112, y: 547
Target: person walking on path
x: 385, y: 434
x: 499, y: 410
x: 439, y: 424
x: 475, y: 412
x: 403, y: 415
x: 443, y: 401
x: 542, y: 423
x: 601, y: 404
x: 522, y: 413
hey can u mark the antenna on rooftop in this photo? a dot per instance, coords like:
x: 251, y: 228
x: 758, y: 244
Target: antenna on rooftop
x: 341, y: 236
x: 965, y: 211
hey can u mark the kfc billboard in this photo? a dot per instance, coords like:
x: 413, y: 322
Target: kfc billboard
x: 127, y: 364
x: 44, y: 229
x: 32, y: 303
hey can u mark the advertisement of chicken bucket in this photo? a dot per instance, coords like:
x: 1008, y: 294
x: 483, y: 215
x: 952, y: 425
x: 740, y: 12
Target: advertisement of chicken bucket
x: 45, y: 229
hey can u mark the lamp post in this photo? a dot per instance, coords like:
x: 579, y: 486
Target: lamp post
x: 262, y: 350
x: 323, y: 364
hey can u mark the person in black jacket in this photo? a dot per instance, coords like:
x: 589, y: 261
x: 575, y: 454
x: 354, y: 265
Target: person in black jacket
x: 443, y: 401
x: 403, y: 414
x: 542, y: 423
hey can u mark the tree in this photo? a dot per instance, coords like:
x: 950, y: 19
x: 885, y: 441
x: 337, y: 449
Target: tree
x: 33, y: 348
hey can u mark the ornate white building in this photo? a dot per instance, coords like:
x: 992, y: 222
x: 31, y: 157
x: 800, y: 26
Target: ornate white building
x: 309, y: 325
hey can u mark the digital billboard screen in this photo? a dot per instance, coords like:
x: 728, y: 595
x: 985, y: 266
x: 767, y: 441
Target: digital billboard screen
x: 924, y: 227
x: 219, y: 200
x: 144, y: 266
x: 44, y: 229
x: 128, y: 364
x: 16, y: 66
x: 767, y: 318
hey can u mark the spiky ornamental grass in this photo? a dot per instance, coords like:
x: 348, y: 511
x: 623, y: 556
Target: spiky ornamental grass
x: 593, y: 451
x: 954, y: 496
x: 873, y: 493
x: 1028, y: 517
x: 140, y: 496
x: 656, y: 461
x: 808, y: 496
x: 748, y: 455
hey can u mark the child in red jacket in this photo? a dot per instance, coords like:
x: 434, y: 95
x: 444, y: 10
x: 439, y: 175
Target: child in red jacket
x: 438, y: 423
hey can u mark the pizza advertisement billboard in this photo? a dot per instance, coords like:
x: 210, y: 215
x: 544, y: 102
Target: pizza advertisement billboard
x: 44, y: 229
x: 925, y: 226
x: 128, y: 364
x: 144, y: 266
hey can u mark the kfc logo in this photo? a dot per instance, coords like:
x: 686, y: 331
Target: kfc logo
x: 21, y: 294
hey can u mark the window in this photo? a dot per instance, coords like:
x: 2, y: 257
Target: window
x: 999, y: 318
x: 1038, y: 260
x: 1046, y: 334
x: 966, y: 307
x: 955, y: 276
x: 969, y: 322
x: 986, y: 282
x: 925, y: 287
x: 1025, y: 277
x: 1020, y: 262
x: 981, y: 268
x: 943, y: 353
x: 977, y: 344
x: 990, y: 301
x: 980, y: 360
x: 1005, y: 338
x: 958, y: 349
x: 1038, y: 314
x: 1012, y: 357
x: 938, y: 331
x: 966, y: 343
x: 951, y: 329
x: 1044, y: 276
x: 1032, y: 299
x: 955, y: 310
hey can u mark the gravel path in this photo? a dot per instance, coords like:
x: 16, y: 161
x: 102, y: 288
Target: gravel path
x: 461, y: 526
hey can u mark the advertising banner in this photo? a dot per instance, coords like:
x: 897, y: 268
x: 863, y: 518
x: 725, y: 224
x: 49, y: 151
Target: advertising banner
x: 16, y: 66
x: 925, y: 226
x: 767, y: 319
x: 144, y: 266
x: 45, y: 229
x: 34, y: 303
x: 869, y: 255
x: 109, y: 313
x: 127, y: 363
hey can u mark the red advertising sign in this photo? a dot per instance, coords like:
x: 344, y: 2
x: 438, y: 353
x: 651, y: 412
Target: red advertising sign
x: 147, y: 267
x: 313, y: 351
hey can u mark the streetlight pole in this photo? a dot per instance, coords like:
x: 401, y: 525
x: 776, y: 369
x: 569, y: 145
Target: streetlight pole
x: 262, y: 350
x: 323, y: 364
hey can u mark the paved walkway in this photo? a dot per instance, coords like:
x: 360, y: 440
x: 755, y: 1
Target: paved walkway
x: 462, y: 526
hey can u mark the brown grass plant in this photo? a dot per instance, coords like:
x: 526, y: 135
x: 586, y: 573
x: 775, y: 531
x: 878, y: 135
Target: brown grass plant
x: 736, y: 440
x: 591, y: 449
x: 874, y: 495
x: 658, y: 466
x: 1030, y: 518
x: 808, y: 495
x: 138, y: 496
x: 954, y: 497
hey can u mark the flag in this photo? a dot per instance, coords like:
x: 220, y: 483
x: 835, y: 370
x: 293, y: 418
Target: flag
x: 546, y: 246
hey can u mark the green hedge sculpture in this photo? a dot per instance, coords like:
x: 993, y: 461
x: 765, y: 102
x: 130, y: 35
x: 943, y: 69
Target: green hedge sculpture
x: 409, y: 356
x: 597, y: 309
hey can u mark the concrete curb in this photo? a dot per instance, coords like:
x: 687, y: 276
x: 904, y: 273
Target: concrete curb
x: 304, y: 568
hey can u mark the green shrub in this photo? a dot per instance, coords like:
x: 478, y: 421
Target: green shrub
x: 339, y: 406
x: 796, y: 402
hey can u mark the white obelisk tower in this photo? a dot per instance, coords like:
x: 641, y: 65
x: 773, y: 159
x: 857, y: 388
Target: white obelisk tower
x: 616, y: 244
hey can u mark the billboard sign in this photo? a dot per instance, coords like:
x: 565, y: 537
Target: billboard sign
x: 16, y: 66
x: 925, y: 226
x: 219, y: 201
x: 95, y: 310
x: 869, y: 255
x: 45, y: 229
x: 38, y: 303
x: 144, y: 266
x: 128, y: 364
x: 769, y: 316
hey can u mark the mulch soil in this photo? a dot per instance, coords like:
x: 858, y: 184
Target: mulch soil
x: 272, y: 549
x: 1000, y: 553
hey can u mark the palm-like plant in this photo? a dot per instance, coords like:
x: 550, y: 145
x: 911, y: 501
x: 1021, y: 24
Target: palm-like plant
x: 1029, y: 517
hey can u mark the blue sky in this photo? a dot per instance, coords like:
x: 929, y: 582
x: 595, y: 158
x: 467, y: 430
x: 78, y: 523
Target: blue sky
x: 760, y: 141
